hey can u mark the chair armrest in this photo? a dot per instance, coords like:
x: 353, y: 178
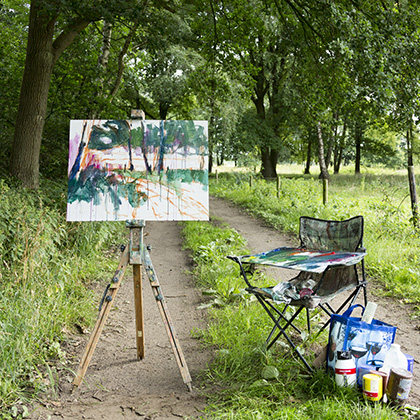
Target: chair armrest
x: 248, y: 269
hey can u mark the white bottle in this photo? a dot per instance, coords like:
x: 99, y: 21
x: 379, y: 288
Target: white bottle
x: 369, y: 312
x: 394, y: 358
x: 345, y: 369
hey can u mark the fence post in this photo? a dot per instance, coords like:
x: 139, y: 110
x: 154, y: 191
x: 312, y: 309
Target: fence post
x: 278, y: 186
x: 217, y: 176
x: 250, y: 181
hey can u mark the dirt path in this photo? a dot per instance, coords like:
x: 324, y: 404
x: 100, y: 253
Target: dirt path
x: 117, y: 386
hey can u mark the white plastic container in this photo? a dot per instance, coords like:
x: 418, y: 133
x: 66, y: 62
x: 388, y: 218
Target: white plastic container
x: 345, y: 369
x: 369, y: 312
x: 394, y: 358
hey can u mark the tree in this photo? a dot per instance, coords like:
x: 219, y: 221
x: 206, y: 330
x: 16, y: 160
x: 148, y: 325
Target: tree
x: 81, y: 87
x: 403, y: 22
x: 41, y: 54
x: 252, y: 43
x: 44, y: 47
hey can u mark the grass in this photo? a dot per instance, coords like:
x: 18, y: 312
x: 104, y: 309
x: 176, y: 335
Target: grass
x: 237, y: 330
x: 46, y: 267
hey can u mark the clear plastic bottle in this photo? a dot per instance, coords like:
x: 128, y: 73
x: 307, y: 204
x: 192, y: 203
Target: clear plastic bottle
x: 394, y: 358
x: 345, y: 369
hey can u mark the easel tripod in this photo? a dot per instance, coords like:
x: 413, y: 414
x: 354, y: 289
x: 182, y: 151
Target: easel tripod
x: 136, y: 255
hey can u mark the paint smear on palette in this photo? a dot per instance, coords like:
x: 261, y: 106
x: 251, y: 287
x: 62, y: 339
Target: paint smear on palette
x: 138, y: 170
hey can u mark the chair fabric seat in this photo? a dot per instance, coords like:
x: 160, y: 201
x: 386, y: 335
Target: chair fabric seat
x: 309, y: 301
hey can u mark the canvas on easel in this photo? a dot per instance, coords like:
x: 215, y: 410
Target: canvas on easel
x: 138, y: 170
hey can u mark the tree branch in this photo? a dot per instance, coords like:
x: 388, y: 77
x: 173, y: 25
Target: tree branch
x: 300, y: 17
x: 121, y: 56
x: 68, y: 35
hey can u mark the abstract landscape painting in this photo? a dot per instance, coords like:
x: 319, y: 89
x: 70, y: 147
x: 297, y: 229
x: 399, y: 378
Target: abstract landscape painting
x: 138, y: 170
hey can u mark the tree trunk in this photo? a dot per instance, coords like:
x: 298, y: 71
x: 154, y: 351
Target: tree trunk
x: 322, y: 166
x: 274, y: 157
x: 411, y: 176
x: 308, y: 156
x: 212, y: 125
x: 338, y: 150
x: 413, y: 196
x: 268, y: 162
x: 121, y: 57
x: 33, y: 98
x: 163, y: 110
x: 41, y: 54
x: 338, y: 154
x: 358, y: 134
x: 102, y: 66
x: 106, y: 45
x: 332, y: 140
x: 268, y: 155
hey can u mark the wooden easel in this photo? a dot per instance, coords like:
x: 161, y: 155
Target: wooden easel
x: 136, y: 255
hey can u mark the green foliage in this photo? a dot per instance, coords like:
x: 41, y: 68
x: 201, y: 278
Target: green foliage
x: 13, y: 20
x: 46, y: 266
x: 255, y: 383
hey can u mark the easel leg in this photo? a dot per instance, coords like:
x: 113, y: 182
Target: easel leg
x: 170, y: 330
x: 138, y: 303
x: 102, y: 317
x: 136, y: 242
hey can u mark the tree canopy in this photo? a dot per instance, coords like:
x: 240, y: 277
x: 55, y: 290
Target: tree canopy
x: 282, y: 79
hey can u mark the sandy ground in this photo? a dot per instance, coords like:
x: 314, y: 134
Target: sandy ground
x: 118, y: 386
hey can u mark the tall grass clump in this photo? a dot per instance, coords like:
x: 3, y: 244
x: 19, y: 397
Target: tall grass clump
x: 254, y: 383
x: 393, y: 244
x: 46, y: 265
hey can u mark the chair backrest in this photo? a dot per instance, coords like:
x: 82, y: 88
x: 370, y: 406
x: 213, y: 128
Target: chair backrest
x: 331, y: 235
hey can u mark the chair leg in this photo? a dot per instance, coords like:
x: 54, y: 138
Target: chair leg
x: 283, y: 329
x: 282, y: 332
x: 330, y: 308
x: 365, y: 294
x: 281, y: 317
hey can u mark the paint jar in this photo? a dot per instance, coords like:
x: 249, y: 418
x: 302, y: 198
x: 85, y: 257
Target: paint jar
x: 362, y: 370
x: 384, y: 377
x: 410, y: 362
x: 345, y: 369
x: 399, y: 385
x: 372, y: 387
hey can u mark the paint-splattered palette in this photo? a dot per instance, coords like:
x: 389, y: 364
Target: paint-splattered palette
x: 304, y: 260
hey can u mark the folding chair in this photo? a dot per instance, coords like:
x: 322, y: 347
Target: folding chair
x: 327, y: 260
